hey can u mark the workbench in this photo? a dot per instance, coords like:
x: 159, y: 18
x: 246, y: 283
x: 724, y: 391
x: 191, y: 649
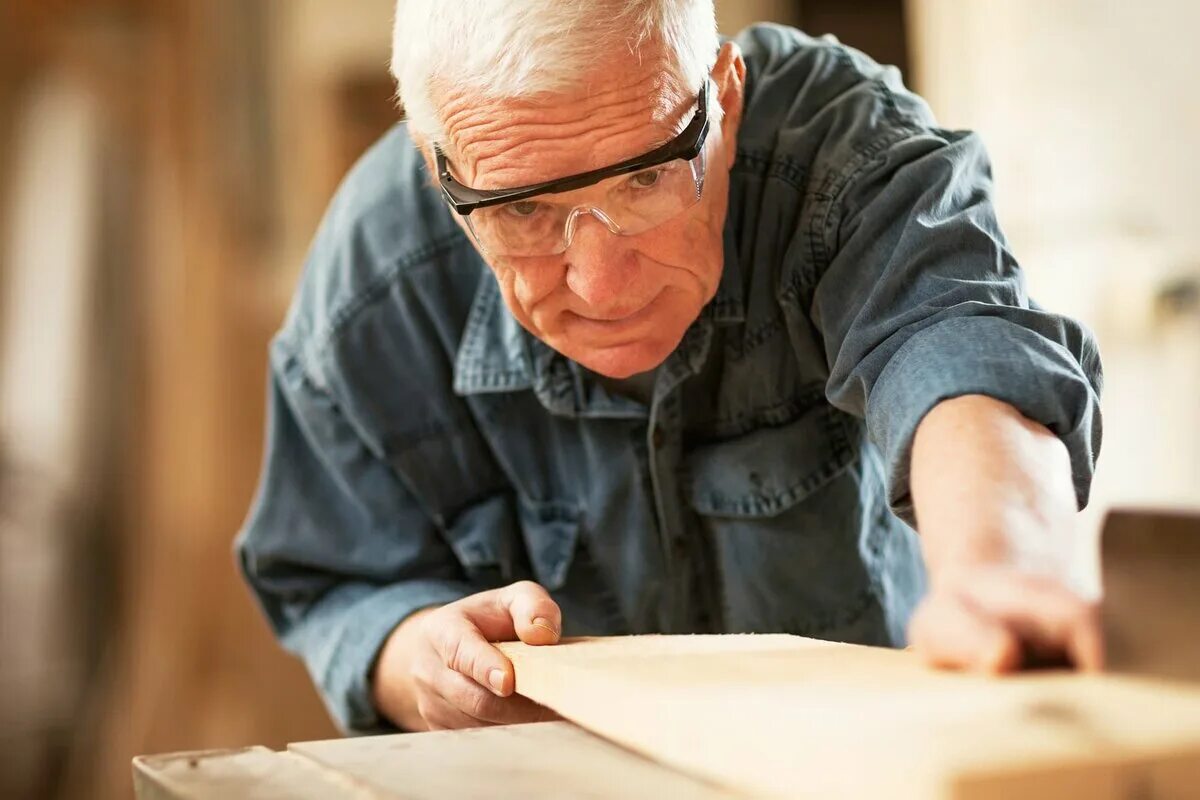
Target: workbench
x: 751, y: 716
x: 511, y: 762
x: 771, y: 716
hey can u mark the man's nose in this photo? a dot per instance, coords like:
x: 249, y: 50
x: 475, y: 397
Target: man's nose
x: 600, y: 268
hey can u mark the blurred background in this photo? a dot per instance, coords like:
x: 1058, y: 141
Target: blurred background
x: 163, y: 164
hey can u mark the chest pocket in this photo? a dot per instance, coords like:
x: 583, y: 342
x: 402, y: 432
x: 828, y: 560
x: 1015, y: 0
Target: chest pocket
x: 507, y: 538
x: 794, y: 538
x: 503, y: 536
x: 767, y: 471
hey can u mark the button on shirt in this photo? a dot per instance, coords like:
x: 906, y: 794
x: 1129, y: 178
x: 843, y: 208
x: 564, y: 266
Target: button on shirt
x: 423, y: 447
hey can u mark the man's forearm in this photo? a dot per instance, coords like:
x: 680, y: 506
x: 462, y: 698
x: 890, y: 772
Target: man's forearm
x: 990, y: 486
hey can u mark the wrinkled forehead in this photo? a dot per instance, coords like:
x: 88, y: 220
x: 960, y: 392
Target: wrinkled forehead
x: 604, y: 120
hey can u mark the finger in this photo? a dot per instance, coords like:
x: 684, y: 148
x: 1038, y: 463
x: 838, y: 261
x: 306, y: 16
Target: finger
x: 536, y: 618
x: 948, y: 634
x: 1046, y: 615
x: 441, y: 715
x: 522, y: 610
x: 463, y: 649
x: 471, y: 699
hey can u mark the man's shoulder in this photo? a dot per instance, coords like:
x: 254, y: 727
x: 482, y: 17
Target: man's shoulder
x: 384, y: 229
x: 817, y: 105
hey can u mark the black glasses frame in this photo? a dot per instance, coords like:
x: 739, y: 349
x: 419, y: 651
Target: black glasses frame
x: 687, y: 145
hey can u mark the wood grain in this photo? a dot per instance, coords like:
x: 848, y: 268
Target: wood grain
x: 513, y: 762
x: 791, y: 717
x: 542, y: 761
x: 249, y: 773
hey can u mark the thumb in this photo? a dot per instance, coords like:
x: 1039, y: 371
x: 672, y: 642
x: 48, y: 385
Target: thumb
x: 536, y: 618
x: 522, y: 610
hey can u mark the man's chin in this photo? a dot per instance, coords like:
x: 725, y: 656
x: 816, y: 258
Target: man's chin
x: 623, y: 360
x: 618, y: 354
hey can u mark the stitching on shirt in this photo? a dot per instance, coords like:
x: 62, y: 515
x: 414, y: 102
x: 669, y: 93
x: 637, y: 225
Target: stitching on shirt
x: 471, y: 345
x: 340, y: 318
x: 833, y: 186
x: 838, y: 425
x: 490, y: 379
x: 738, y: 349
x: 797, y: 284
x: 765, y: 164
x: 760, y: 503
x: 809, y: 397
x: 884, y: 93
x: 828, y: 196
x: 294, y: 369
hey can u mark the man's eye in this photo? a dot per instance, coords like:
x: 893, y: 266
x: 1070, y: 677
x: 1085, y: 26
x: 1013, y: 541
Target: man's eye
x: 646, y: 179
x: 523, y: 208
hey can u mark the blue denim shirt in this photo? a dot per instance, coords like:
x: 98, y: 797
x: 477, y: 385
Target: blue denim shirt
x: 422, y: 446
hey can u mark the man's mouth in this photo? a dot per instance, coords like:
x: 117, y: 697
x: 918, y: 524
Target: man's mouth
x: 609, y: 323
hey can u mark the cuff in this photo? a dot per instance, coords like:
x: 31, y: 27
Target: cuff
x: 1046, y: 380
x: 341, y: 641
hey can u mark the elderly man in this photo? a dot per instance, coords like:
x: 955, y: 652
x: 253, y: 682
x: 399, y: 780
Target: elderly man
x: 630, y: 330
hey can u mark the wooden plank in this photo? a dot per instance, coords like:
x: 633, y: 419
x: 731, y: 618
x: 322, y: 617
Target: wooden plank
x: 785, y: 716
x: 521, y: 762
x: 251, y: 773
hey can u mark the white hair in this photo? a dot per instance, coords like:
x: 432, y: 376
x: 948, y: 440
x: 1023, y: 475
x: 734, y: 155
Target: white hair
x: 518, y: 48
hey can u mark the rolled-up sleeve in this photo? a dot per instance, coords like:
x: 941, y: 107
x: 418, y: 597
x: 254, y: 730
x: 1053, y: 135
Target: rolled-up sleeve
x: 920, y: 300
x: 335, y: 549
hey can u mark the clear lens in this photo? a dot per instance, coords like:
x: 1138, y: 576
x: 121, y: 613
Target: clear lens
x: 635, y: 203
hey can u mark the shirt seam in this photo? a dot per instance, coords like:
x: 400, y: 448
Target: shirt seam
x: 830, y: 193
x: 340, y: 320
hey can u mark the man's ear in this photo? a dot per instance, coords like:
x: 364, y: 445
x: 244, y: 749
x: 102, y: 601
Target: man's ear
x: 729, y: 74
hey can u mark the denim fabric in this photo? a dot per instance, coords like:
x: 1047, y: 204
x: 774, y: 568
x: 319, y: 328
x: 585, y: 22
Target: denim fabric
x: 422, y: 446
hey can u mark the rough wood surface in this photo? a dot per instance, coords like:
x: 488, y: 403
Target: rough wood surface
x: 513, y: 762
x: 792, y: 717
x: 543, y: 761
x: 250, y: 773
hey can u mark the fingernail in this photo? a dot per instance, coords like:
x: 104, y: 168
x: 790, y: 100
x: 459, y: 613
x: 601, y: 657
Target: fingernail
x: 496, y: 679
x: 542, y: 622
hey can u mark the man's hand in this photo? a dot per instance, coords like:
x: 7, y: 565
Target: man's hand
x: 1000, y: 619
x: 995, y: 508
x: 437, y: 670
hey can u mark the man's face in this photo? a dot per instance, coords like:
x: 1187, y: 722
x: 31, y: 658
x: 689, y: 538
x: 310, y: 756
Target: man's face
x: 616, y: 304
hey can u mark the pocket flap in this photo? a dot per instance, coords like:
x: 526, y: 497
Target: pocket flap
x: 485, y: 535
x: 551, y: 532
x: 512, y: 535
x: 766, y: 471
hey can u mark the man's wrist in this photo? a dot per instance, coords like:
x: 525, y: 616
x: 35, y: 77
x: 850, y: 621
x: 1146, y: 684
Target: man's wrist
x: 392, y: 690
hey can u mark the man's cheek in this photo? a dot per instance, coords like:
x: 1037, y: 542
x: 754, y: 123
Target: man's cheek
x: 518, y: 305
x: 677, y: 245
x: 506, y: 278
x: 515, y: 294
x: 704, y: 243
